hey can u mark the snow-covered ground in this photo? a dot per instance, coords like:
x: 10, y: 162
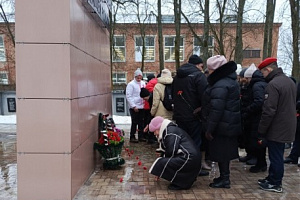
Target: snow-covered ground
x: 122, y: 119
x: 8, y: 119
x: 11, y: 119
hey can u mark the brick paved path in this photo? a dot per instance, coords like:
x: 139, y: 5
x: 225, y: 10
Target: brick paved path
x: 139, y: 184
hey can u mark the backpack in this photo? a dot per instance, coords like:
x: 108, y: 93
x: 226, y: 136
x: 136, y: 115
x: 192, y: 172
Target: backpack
x: 168, y: 99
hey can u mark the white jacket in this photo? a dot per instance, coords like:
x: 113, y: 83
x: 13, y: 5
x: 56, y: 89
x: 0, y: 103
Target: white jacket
x: 133, y: 90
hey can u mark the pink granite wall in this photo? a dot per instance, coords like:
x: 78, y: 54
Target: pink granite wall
x: 63, y: 82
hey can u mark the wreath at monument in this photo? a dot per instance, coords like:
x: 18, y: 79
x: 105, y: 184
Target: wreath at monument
x: 110, y: 143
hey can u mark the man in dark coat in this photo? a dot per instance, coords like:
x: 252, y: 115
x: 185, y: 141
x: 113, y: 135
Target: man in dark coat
x: 181, y: 161
x: 221, y: 112
x: 278, y: 120
x: 252, y: 113
x: 188, y: 87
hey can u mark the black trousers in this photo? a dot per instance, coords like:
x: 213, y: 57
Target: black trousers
x: 137, y: 121
x: 224, y: 169
x: 260, y: 154
x: 193, y: 129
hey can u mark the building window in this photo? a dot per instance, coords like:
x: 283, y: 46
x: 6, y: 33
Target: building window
x: 251, y: 53
x: 198, y: 49
x: 170, y: 49
x: 149, y: 55
x: 3, y: 77
x: 119, y: 49
x: 2, y: 50
x: 119, y: 78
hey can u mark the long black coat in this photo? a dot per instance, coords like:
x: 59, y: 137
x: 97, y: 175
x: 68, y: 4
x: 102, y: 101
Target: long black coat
x: 182, y: 160
x: 252, y: 113
x: 221, y: 112
x: 192, y: 83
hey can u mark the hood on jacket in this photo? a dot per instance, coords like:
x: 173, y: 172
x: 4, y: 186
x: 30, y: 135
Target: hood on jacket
x: 257, y: 77
x: 186, y: 69
x: 226, y: 70
x: 165, y: 80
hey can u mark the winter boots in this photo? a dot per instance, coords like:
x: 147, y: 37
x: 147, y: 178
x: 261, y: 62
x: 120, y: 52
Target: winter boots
x: 221, y: 182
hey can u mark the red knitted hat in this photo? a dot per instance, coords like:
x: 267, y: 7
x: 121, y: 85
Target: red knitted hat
x: 266, y: 62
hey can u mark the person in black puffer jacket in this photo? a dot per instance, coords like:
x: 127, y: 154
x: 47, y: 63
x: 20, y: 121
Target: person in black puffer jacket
x: 188, y: 87
x: 252, y: 113
x: 244, y: 138
x: 221, y: 113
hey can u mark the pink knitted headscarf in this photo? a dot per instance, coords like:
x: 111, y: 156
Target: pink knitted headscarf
x: 155, y: 123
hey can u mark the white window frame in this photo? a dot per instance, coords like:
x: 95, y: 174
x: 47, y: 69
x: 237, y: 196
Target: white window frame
x: 2, y: 49
x: 197, y: 48
x: 119, y: 51
x: 149, y: 50
x: 119, y: 80
x: 171, y: 49
x: 4, y: 78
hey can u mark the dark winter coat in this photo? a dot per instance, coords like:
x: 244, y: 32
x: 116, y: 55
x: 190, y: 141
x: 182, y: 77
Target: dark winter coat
x: 182, y: 160
x: 221, y: 112
x: 278, y: 120
x: 192, y: 82
x: 252, y: 113
x: 245, y: 102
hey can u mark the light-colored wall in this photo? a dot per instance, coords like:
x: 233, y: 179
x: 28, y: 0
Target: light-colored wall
x: 63, y: 82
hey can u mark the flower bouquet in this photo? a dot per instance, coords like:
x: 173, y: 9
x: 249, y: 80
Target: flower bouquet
x: 110, y: 146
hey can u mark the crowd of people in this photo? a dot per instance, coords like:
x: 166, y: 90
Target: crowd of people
x: 214, y: 113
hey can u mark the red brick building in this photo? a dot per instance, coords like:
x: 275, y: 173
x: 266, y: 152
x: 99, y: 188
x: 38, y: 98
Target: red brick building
x: 7, y: 69
x: 128, y: 46
x: 7, y: 59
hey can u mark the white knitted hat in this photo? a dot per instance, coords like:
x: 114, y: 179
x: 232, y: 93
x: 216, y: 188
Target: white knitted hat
x: 249, y: 72
x: 138, y: 72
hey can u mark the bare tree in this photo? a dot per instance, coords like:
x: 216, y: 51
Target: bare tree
x: 238, y: 56
x: 267, y: 51
x: 135, y: 12
x: 160, y: 37
x: 294, y: 5
x: 7, y: 14
x: 220, y: 36
x: 206, y: 31
x: 177, y: 13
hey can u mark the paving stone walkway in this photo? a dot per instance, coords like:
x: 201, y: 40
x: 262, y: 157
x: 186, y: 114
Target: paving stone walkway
x: 133, y: 181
